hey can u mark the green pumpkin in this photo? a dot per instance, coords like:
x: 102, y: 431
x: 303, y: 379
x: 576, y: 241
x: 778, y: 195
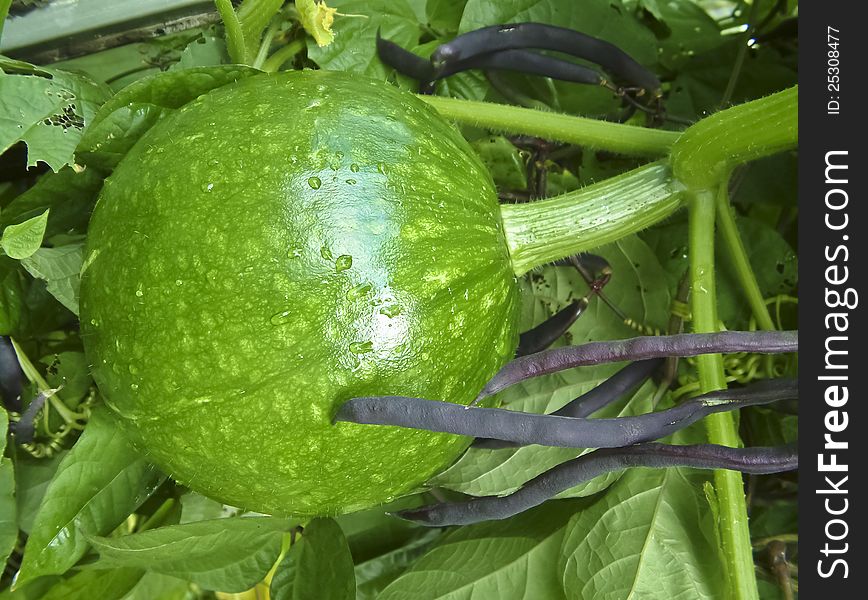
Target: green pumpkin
x: 274, y: 248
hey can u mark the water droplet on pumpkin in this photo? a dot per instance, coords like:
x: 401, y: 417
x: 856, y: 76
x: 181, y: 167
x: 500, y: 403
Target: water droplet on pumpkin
x: 344, y: 262
x: 281, y: 318
x: 134, y: 386
x: 325, y: 252
x: 314, y: 182
x: 359, y: 291
x: 351, y: 181
x: 354, y: 168
x: 391, y: 310
x: 361, y: 347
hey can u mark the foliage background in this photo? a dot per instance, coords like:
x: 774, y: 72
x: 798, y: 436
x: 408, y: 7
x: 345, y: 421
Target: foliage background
x: 84, y: 516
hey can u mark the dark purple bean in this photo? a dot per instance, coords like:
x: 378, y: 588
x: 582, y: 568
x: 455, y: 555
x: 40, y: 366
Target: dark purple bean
x: 552, y: 430
x: 519, y: 36
x: 25, y: 428
x: 640, y: 348
x: 760, y: 460
x: 404, y: 61
x: 610, y: 390
x: 546, y: 333
x: 524, y: 61
x: 626, y: 380
x: 11, y: 376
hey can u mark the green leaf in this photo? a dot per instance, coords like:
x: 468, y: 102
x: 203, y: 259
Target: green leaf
x: 32, y: 477
x: 61, y: 270
x: 48, y: 110
x: 154, y: 586
x: 503, y: 160
x: 69, y: 195
x: 230, y: 555
x: 647, y: 537
x: 70, y: 371
x: 382, y: 546
x: 354, y: 47
x: 635, y: 288
x: 97, y: 485
x: 509, y: 560
x: 444, y: 16
x: 196, y: 507
x: 204, y: 51
x: 35, y: 590
x: 318, y: 565
x: 8, y: 507
x: 22, y: 240
x: 89, y: 584
x: 12, y: 295
x: 134, y: 110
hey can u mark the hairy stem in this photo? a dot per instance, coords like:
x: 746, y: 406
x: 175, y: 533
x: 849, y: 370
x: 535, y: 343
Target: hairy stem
x: 602, y: 135
x: 722, y: 429
x: 709, y: 149
x: 234, y: 33
x: 541, y: 232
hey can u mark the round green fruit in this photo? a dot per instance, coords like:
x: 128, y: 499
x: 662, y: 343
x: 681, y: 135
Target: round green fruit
x: 274, y: 248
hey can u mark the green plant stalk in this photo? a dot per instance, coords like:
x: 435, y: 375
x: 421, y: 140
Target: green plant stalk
x: 34, y: 376
x: 234, y: 33
x: 4, y: 12
x: 273, y: 63
x: 708, y: 150
x: 540, y: 232
x: 722, y: 429
x: 602, y: 135
x: 738, y: 255
x: 265, y: 46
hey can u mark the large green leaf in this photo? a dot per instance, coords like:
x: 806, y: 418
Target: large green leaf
x: 32, y: 477
x: 646, y: 537
x: 22, y: 240
x: 134, y: 110
x: 354, y: 47
x: 228, y: 555
x: 319, y: 565
x: 60, y: 268
x: 90, y: 584
x: 154, y: 586
x: 97, y: 485
x: 508, y: 560
x: 70, y: 196
x: 8, y: 508
x: 635, y: 289
x: 383, y: 546
x: 47, y: 109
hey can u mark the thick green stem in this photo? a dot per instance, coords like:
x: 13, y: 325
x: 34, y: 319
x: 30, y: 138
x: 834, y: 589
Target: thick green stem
x: 602, y: 135
x: 540, y: 232
x: 709, y: 149
x: 722, y: 429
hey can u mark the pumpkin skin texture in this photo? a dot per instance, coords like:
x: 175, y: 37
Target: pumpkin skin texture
x: 274, y: 248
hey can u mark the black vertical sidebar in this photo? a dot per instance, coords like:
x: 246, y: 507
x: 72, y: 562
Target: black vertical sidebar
x: 833, y: 432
